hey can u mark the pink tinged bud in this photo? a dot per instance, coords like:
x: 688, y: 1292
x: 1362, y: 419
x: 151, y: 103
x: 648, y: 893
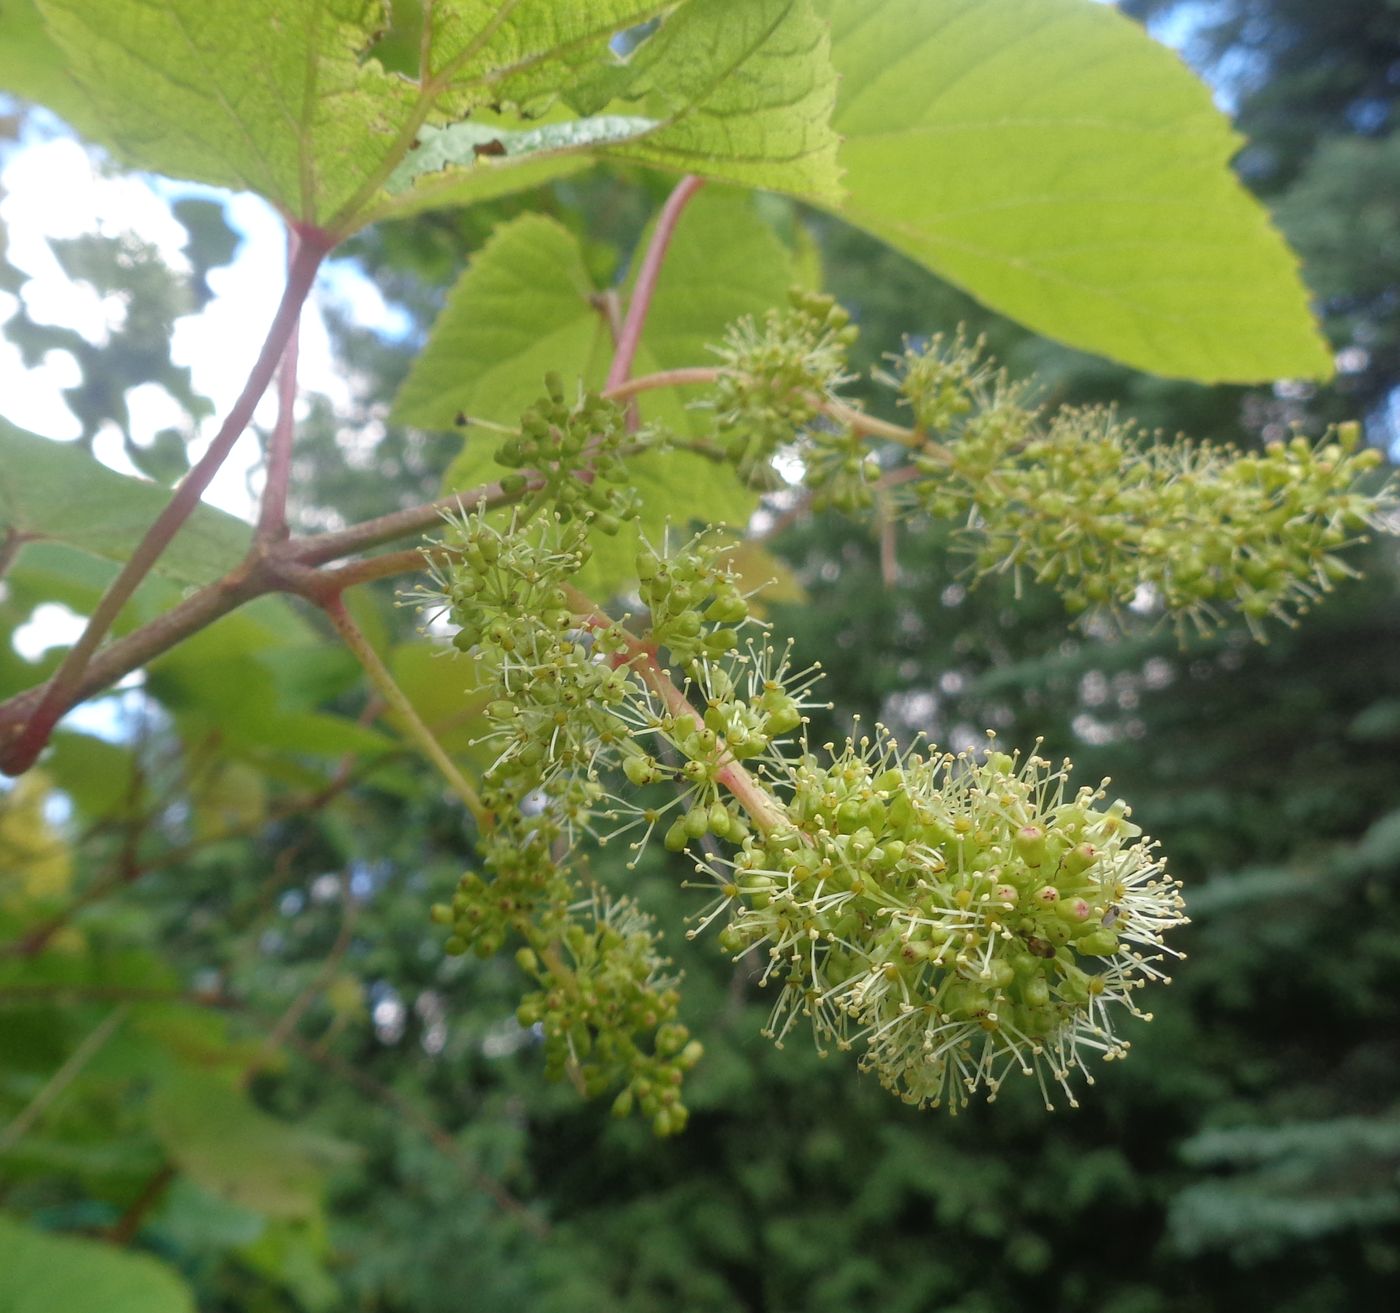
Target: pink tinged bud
x: 1080, y: 859
x: 1030, y: 844
x: 1075, y: 910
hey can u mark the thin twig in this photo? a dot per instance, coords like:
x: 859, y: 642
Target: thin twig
x: 272, y: 512
x: 324, y: 547
x: 129, y: 1223
x: 61, y: 1079
x: 286, y: 1023
x: 665, y: 378
x: 630, y: 338
x: 398, y: 702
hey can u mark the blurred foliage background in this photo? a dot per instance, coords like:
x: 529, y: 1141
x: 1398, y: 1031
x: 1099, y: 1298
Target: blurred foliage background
x: 229, y: 1041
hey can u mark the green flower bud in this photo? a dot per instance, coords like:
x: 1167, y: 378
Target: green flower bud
x: 678, y: 836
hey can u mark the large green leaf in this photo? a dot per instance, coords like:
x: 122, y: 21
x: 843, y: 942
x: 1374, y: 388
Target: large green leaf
x: 42, y: 1273
x: 279, y: 96
x: 58, y: 492
x: 32, y: 66
x: 285, y: 98
x: 1066, y: 170
x: 265, y: 95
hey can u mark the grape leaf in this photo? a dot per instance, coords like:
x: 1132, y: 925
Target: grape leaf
x: 1054, y: 161
x: 744, y: 91
x: 285, y: 97
x: 265, y: 95
x: 44, y: 1273
x: 32, y: 66
x: 523, y: 307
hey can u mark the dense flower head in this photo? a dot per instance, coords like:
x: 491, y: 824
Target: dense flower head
x: 777, y: 373
x: 607, y: 1008
x: 957, y: 916
x: 569, y: 455
x: 1111, y: 517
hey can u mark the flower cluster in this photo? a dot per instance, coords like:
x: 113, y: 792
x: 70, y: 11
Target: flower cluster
x: 839, y: 469
x: 945, y: 381
x: 960, y: 917
x: 603, y: 986
x: 1084, y: 502
x: 605, y: 1006
x: 957, y: 917
x: 776, y: 375
x: 575, y: 453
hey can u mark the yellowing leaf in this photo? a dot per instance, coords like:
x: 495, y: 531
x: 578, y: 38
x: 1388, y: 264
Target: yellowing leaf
x: 36, y: 863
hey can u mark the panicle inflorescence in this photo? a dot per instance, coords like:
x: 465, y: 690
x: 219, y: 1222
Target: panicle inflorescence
x: 956, y: 917
x: 605, y: 1006
x: 1109, y: 517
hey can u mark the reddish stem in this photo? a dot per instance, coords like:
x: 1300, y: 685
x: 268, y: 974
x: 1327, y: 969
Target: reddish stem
x: 630, y: 338
x: 641, y: 657
x: 129, y: 1223
x: 666, y: 378
x: 272, y: 514
x: 385, y: 528
x: 58, y: 694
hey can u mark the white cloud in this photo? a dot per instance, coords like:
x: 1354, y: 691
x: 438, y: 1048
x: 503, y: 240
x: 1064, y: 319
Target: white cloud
x: 53, y: 189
